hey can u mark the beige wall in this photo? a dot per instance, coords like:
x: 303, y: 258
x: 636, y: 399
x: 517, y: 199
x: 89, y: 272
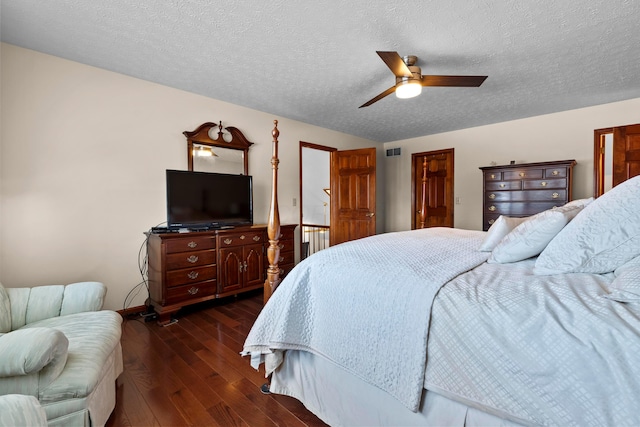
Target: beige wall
x: 83, y: 157
x: 560, y: 136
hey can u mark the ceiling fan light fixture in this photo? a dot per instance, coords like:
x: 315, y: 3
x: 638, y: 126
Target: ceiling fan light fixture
x: 408, y: 89
x: 202, y: 151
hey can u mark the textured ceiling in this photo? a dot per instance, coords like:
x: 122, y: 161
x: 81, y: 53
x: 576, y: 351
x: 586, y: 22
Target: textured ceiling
x: 315, y: 61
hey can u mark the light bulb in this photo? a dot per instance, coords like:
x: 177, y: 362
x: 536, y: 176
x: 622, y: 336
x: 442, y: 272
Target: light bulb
x: 408, y: 89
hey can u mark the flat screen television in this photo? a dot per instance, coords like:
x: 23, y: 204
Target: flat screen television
x: 208, y: 200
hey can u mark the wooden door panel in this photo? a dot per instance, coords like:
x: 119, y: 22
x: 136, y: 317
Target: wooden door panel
x: 254, y: 267
x: 230, y: 269
x: 353, y: 195
x: 437, y: 183
x: 626, y: 153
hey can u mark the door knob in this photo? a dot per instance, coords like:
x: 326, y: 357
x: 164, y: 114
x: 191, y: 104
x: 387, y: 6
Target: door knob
x: 370, y: 214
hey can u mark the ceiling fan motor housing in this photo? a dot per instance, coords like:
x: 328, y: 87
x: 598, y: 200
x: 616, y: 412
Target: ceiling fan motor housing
x: 416, y: 75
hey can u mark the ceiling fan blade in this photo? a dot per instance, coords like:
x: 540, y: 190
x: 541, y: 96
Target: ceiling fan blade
x: 395, y: 63
x: 379, y: 97
x: 459, y: 81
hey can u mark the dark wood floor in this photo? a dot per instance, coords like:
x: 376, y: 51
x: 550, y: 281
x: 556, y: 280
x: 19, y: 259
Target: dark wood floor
x: 191, y: 372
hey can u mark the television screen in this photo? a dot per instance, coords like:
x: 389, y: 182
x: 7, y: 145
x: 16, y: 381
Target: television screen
x: 205, y: 199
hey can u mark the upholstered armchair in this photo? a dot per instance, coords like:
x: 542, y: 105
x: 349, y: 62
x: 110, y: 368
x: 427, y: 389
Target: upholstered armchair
x: 57, y: 345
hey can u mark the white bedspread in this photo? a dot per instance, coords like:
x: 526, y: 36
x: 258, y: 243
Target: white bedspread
x: 544, y: 350
x: 365, y: 305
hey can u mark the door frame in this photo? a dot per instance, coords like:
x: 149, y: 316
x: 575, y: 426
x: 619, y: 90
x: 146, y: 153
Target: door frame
x: 301, y: 145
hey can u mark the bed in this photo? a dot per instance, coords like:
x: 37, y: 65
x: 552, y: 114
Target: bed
x: 535, y: 322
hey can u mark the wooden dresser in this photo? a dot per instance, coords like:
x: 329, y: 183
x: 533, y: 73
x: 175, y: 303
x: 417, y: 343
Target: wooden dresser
x: 525, y: 189
x: 187, y: 268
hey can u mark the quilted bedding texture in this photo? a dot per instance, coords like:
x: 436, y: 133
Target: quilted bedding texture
x: 365, y: 305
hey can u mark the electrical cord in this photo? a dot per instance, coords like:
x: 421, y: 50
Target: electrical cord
x: 143, y: 269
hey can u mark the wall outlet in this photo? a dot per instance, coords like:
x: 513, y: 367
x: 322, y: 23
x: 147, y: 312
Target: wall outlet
x: 458, y: 201
x: 295, y: 201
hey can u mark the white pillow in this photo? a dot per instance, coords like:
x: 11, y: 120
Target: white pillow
x: 603, y: 237
x: 579, y: 202
x: 500, y: 228
x: 626, y: 285
x: 532, y: 236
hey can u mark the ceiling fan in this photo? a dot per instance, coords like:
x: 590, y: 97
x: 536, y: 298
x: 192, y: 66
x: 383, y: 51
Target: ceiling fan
x: 409, y: 78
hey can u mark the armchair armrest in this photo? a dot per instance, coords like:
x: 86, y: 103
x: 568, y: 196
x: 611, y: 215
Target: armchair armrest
x: 41, y: 351
x: 21, y: 410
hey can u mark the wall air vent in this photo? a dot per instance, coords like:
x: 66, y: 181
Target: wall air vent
x: 393, y: 152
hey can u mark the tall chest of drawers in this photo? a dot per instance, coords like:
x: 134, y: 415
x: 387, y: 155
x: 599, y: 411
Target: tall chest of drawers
x: 525, y: 189
x: 188, y: 268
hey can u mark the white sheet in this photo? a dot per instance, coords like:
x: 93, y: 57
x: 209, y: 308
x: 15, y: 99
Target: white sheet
x: 548, y: 349
x: 341, y: 399
x: 374, y: 294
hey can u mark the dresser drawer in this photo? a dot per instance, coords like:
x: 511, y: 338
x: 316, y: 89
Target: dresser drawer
x: 523, y: 174
x: 551, y: 195
x: 519, y: 208
x: 503, y: 185
x: 238, y: 239
x: 190, y: 244
x: 180, y: 260
x: 555, y: 173
x: 286, y: 233
x: 195, y: 290
x: 190, y: 275
x: 537, y: 184
x: 285, y: 269
x: 285, y: 257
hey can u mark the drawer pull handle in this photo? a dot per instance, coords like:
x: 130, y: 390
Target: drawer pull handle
x: 493, y: 176
x: 521, y: 173
x: 502, y: 185
x: 256, y: 238
x: 228, y: 241
x: 491, y: 221
x: 555, y: 172
x: 242, y: 237
x: 192, y: 244
x: 193, y: 291
x: 543, y: 183
x: 192, y: 259
x: 193, y: 275
x: 555, y: 195
x: 492, y: 208
x: 492, y: 196
x: 281, y: 259
x: 281, y: 246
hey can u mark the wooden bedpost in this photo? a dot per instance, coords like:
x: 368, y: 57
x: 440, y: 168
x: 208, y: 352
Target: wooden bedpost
x: 273, y: 226
x: 423, y: 201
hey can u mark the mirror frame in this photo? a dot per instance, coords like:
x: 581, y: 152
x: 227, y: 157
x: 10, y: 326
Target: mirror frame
x: 201, y: 136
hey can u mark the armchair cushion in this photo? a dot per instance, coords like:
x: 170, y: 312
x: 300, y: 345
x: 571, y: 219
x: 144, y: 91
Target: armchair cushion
x: 5, y: 311
x: 28, y: 351
x: 30, y: 305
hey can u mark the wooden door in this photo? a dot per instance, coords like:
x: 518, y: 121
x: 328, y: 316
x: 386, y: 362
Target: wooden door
x: 353, y: 195
x: 626, y: 153
x: 432, y: 201
x: 253, y: 265
x: 230, y: 269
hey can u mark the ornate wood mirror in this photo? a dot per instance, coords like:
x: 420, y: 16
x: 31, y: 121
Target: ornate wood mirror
x: 212, y: 149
